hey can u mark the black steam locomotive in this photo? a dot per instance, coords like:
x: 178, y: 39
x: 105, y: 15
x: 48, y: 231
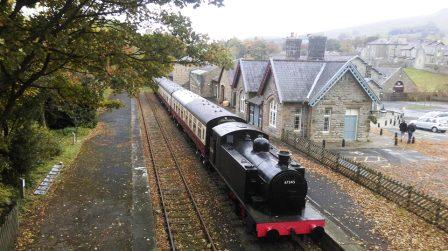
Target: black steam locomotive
x: 268, y: 187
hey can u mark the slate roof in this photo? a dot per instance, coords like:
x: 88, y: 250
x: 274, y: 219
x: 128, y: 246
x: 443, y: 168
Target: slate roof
x: 385, y: 41
x: 300, y: 81
x: 329, y: 70
x: 387, y: 71
x: 295, y: 79
x: 252, y: 72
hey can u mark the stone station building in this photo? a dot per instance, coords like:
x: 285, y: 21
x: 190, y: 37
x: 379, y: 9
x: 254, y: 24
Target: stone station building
x: 328, y: 100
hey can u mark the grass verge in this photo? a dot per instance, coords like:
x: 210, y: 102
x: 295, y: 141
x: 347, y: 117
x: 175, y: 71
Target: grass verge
x: 422, y: 107
x: 428, y: 81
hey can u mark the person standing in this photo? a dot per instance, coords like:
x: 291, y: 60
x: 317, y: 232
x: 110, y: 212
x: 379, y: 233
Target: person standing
x: 411, y: 130
x: 403, y: 129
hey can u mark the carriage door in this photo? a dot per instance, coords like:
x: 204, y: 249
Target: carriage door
x: 350, y: 124
x: 212, y: 148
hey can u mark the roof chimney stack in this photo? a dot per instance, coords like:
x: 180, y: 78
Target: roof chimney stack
x: 292, y: 47
x: 316, y: 47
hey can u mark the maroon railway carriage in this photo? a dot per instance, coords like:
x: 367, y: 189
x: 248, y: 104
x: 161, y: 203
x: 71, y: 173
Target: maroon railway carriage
x: 196, y: 115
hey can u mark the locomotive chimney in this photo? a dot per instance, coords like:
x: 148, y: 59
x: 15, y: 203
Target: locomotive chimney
x: 284, y: 157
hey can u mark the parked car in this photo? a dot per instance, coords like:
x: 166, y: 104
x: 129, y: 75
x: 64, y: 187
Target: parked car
x: 433, y: 124
x: 430, y: 115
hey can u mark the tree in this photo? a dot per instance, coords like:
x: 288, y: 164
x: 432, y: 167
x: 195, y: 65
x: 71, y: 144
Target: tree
x: 333, y: 45
x: 58, y: 56
x: 40, y: 40
x: 256, y: 49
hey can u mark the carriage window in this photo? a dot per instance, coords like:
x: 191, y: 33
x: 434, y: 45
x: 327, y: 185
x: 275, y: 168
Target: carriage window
x: 194, y: 126
x: 203, y: 133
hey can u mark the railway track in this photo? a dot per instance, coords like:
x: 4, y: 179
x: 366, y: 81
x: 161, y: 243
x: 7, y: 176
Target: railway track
x: 160, y: 130
x: 184, y: 223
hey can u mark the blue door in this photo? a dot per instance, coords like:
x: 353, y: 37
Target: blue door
x: 256, y: 115
x: 350, y: 124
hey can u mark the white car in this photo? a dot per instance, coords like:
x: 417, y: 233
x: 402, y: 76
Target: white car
x: 433, y: 124
x: 430, y: 115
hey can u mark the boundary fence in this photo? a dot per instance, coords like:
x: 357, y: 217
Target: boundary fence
x: 9, y: 229
x: 427, y: 207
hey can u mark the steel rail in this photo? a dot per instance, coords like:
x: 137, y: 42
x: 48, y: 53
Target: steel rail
x: 176, y: 162
x: 159, y: 189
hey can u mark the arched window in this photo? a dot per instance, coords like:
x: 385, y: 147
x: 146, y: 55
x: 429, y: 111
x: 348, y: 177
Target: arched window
x: 273, y: 113
x: 242, y: 102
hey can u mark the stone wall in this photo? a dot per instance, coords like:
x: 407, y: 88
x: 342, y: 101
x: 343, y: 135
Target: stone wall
x: 239, y: 89
x: 362, y: 68
x: 346, y: 94
x: 181, y: 73
x: 269, y: 94
x: 226, y: 85
x: 206, y: 88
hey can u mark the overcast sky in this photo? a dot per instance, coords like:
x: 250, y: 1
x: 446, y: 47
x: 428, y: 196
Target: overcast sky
x: 249, y: 18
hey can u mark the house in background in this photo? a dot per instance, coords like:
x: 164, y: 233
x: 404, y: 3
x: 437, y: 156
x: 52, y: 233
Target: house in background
x: 383, y: 51
x: 181, y: 74
x: 209, y: 81
x: 421, y: 54
x: 224, y: 82
x: 395, y: 80
x: 201, y: 80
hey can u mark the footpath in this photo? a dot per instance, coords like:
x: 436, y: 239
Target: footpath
x: 102, y: 200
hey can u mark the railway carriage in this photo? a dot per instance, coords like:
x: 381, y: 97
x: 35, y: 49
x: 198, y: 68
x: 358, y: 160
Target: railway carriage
x: 269, y: 189
x: 166, y: 89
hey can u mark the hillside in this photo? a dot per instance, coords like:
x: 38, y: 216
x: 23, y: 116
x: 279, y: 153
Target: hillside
x: 439, y: 19
x: 428, y: 81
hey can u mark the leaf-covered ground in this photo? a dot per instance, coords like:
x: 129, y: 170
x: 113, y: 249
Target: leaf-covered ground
x: 90, y: 207
x: 431, y: 176
x: 402, y: 229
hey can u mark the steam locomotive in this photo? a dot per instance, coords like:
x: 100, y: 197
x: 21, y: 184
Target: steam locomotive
x: 269, y: 189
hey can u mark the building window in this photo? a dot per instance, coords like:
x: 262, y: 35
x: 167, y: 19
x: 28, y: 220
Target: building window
x: 327, y: 119
x: 273, y: 113
x: 242, y: 102
x: 298, y: 119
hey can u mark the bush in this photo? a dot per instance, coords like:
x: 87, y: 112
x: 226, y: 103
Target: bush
x: 7, y: 194
x: 110, y: 104
x: 30, y: 146
x: 372, y: 119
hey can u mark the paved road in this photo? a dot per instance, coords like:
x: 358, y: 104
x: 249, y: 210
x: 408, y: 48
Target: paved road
x: 102, y: 201
x: 409, y: 113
